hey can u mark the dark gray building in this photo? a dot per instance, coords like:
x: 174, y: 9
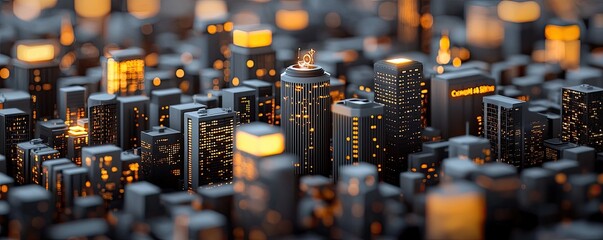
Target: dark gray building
x: 103, y: 119
x: 177, y: 114
x: 306, y: 118
x: 264, y: 92
x: 456, y: 99
x: 15, y: 99
x: 133, y: 119
x: 24, y: 205
x: 469, y: 147
x: 162, y: 158
x: 23, y: 161
x: 14, y: 129
x: 208, y: 147
x: 54, y: 134
x: 72, y: 104
x: 536, y: 130
x: 249, y: 60
x: 358, y: 134
x: 504, y: 127
x: 581, y: 111
x: 37, y: 158
x: 104, y: 168
x: 242, y: 100
x: 398, y: 88
x: 161, y: 100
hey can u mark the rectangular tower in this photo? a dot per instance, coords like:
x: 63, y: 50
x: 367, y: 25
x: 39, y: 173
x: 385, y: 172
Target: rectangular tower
x: 264, y: 92
x: 161, y: 158
x: 161, y: 100
x: 456, y: 99
x: 14, y: 129
x: 104, y: 168
x: 177, y: 114
x: 503, y: 126
x: 242, y: 100
x: 22, y: 164
x: 123, y: 72
x: 36, y: 71
x: 358, y: 134
x: 398, y: 88
x: 208, y: 141
x: 103, y: 119
x: 54, y: 134
x: 133, y: 119
x: 37, y: 158
x: 582, y: 116
x: 72, y: 104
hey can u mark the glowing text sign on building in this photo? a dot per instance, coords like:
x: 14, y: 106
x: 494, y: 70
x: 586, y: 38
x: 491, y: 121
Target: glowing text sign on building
x: 472, y: 91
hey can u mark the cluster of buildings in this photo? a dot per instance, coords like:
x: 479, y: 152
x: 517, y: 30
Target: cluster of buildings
x: 205, y: 119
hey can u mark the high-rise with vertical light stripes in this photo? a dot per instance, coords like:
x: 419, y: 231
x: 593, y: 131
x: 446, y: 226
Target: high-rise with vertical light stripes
x: 398, y: 88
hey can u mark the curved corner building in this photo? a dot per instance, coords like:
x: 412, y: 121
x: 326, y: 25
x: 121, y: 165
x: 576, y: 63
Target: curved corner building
x: 306, y: 118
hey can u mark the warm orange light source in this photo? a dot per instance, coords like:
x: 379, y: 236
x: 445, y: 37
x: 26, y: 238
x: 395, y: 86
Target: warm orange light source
x: 307, y: 60
x: 563, y: 33
x: 210, y: 9
x: 92, y: 8
x: 484, y: 28
x: 260, y: 146
x: 398, y: 60
x: 67, y: 35
x: 252, y: 37
x: 37, y: 51
x: 518, y: 12
x: 292, y: 20
x: 143, y: 9
x: 27, y: 9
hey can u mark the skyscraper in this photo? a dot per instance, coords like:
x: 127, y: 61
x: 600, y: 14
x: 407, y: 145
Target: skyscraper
x: 161, y: 158
x: 104, y: 168
x: 30, y: 219
x: 37, y: 158
x: 123, y: 72
x: 36, y: 70
x: 252, y: 56
x: 133, y: 119
x: 54, y: 134
x: 161, y: 100
x: 72, y: 104
x: 582, y: 116
x: 536, y: 127
x: 103, y: 119
x: 306, y: 117
x: 208, y: 141
x: 242, y: 100
x: 358, y: 134
x: 398, y: 88
x: 77, y: 138
x: 215, y: 38
x: 265, y: 102
x: 261, y: 166
x: 22, y: 163
x: 456, y: 99
x: 504, y: 127
x: 14, y: 129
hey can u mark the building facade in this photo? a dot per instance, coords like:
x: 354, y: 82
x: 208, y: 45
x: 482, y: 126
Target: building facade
x: 306, y: 118
x: 358, y: 134
x: 398, y: 88
x: 15, y: 128
x: 208, y: 147
x: 161, y: 158
x: 133, y: 119
x: 123, y: 72
x: 504, y: 127
x: 103, y: 119
x: 582, y: 116
x: 241, y: 100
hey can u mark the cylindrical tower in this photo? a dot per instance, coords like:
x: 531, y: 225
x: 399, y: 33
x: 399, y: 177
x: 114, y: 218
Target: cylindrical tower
x: 306, y: 118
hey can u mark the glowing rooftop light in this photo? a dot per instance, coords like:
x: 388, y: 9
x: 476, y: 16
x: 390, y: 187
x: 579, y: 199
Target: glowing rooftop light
x: 398, y: 60
x: 307, y: 60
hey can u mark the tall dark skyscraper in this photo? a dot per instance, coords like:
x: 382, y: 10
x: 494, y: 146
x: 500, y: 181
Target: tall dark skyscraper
x: 536, y: 127
x: 398, y: 88
x: 161, y: 100
x: 23, y: 168
x: 306, y: 118
x: 215, y: 38
x: 264, y: 92
x: 37, y: 158
x: 582, y: 116
x: 261, y: 166
x: 358, y: 134
x: 54, y: 134
x: 161, y: 158
x: 241, y: 100
x: 504, y: 118
x: 36, y: 70
x: 456, y: 99
x: 14, y: 129
x: 208, y: 146
x: 104, y: 168
x: 72, y: 104
x: 103, y: 119
x: 133, y: 119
